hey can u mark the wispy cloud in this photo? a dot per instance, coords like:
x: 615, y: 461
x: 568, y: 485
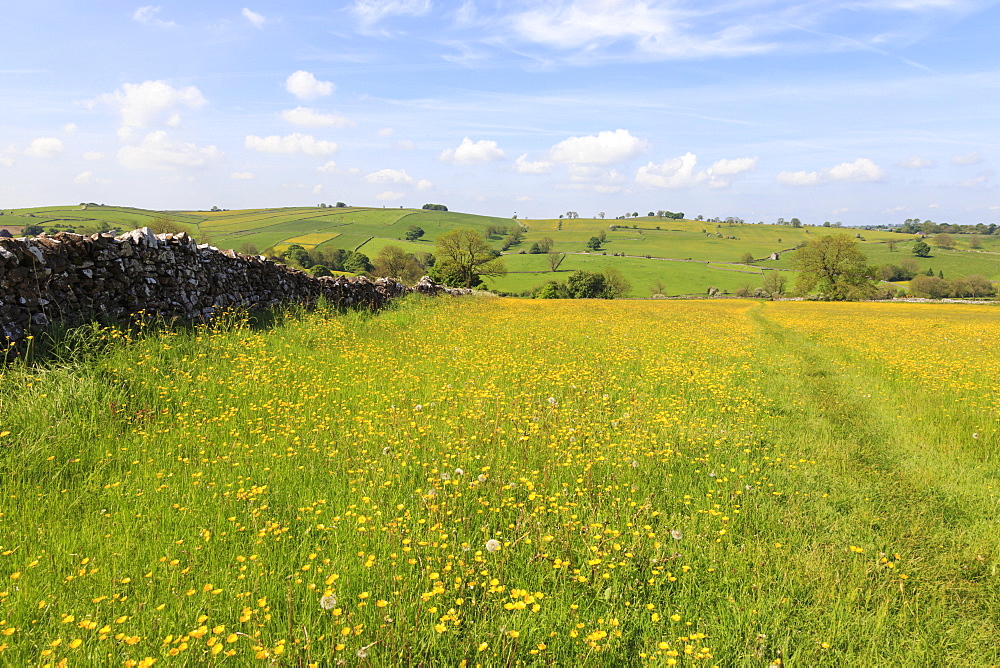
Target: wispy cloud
x: 370, y: 12
x: 149, y: 15
x: 973, y: 158
x: 289, y: 144
x: 310, y: 118
x: 253, y: 17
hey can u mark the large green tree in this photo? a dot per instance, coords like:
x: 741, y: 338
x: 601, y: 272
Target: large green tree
x: 463, y: 257
x: 835, y: 268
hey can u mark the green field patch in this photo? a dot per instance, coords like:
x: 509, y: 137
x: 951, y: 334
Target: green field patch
x: 310, y: 240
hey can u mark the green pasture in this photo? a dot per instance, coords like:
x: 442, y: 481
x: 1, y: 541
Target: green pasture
x: 530, y: 271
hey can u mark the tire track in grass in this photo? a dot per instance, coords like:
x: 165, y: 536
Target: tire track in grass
x: 888, y: 489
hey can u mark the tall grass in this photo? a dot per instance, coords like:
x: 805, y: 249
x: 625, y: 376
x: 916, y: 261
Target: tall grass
x: 502, y: 481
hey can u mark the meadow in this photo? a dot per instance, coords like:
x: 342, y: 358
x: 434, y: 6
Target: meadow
x: 486, y: 481
x: 684, y: 257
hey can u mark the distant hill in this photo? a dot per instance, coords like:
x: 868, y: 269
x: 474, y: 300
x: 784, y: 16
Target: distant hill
x: 681, y: 256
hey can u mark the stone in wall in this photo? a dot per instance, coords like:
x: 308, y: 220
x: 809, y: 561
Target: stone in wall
x: 70, y: 278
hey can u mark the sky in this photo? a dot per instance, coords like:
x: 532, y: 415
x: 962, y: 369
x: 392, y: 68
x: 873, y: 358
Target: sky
x: 855, y: 111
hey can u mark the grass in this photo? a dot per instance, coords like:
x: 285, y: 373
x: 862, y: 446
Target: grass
x: 510, y: 481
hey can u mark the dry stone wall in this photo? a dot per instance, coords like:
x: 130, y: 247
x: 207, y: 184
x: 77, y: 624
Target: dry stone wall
x: 70, y: 278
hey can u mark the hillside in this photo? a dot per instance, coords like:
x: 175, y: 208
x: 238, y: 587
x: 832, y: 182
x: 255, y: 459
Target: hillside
x: 684, y: 256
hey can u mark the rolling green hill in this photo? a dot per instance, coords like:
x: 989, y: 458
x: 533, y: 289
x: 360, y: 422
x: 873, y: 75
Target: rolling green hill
x: 686, y: 256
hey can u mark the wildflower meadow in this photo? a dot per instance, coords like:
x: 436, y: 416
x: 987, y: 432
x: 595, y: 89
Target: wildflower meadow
x: 500, y: 482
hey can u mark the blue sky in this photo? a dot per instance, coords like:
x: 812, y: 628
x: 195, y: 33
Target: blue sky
x: 860, y: 111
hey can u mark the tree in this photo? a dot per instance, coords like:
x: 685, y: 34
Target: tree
x: 747, y: 258
x: 774, y: 282
x: 978, y: 286
x: 594, y: 243
x: 357, y: 263
x: 615, y: 283
x: 545, y: 244
x: 658, y: 288
x: 341, y: 205
x: 394, y: 262
x: 944, y: 241
x: 834, y: 267
x: 891, y: 244
x: 413, y: 233
x: 586, y: 285
x: 318, y: 270
x: 555, y: 259
x: 463, y: 256
x: 434, y: 207
x: 601, y: 215
x: 921, y: 249
x: 165, y: 225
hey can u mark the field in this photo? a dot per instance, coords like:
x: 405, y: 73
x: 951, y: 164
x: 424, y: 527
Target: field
x: 685, y: 256
x: 510, y: 482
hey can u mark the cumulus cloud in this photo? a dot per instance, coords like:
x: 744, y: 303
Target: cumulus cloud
x: 317, y: 189
x: 681, y: 172
x: 310, y: 118
x: 88, y: 178
x: 389, y: 176
x: 158, y: 151
x: 328, y: 168
x: 305, y: 86
x: 44, y: 147
x: 424, y: 184
x: 148, y: 16
x: 242, y: 176
x: 860, y: 171
x: 604, y: 148
x: 293, y: 143
x: 470, y: 152
x: 915, y: 162
x: 253, y: 17
x: 525, y: 166
x: 151, y: 103
x: 370, y: 12
x: 388, y: 196
x: 970, y: 159
x: 974, y: 182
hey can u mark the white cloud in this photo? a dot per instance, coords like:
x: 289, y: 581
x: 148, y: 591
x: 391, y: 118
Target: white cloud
x: 603, y: 148
x: 405, y: 145
x: 293, y: 143
x: 151, y: 103
x: 317, y: 189
x: 385, y: 132
x: 470, y: 152
x: 93, y: 155
x: 305, y: 86
x: 389, y: 176
x: 242, y: 176
x: 681, y: 173
x: 524, y: 166
x: 974, y: 182
x: 88, y: 178
x: 328, y: 168
x: 6, y: 162
x: 310, y: 118
x: 591, y: 27
x: 799, y: 178
x: 70, y: 129
x: 672, y: 173
x: 158, y: 151
x: 370, y: 12
x: 148, y: 16
x: 253, y: 17
x: 970, y: 159
x: 915, y: 162
x: 388, y: 196
x: 860, y: 171
x: 424, y: 184
x: 44, y: 147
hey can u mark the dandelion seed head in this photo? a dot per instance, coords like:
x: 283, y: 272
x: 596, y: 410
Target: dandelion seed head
x: 676, y: 534
x: 328, y: 602
x: 492, y: 545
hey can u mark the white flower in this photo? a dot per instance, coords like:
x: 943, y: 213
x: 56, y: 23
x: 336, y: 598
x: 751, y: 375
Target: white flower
x: 676, y: 534
x: 387, y: 451
x: 328, y: 602
x: 492, y: 545
x: 482, y: 477
x: 552, y: 401
x: 445, y: 476
x: 459, y: 472
x: 418, y: 407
